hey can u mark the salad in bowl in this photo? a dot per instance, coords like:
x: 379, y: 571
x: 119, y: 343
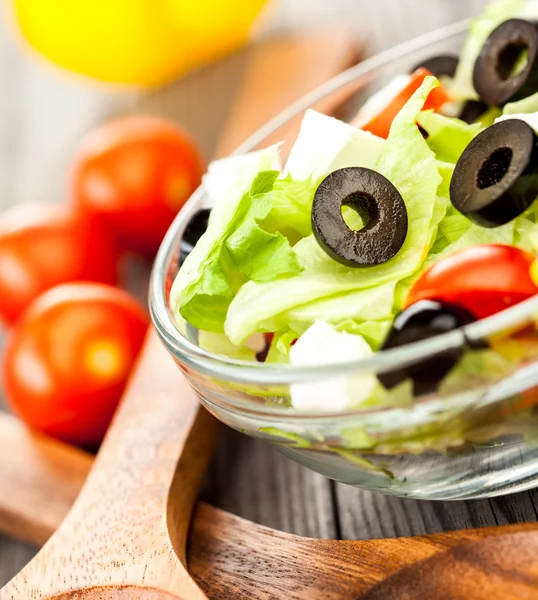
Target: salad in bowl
x: 366, y: 299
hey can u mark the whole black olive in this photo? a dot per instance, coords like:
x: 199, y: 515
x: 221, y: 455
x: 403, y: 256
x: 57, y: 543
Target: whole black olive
x: 507, y: 66
x: 443, y: 65
x: 422, y: 320
x: 193, y: 232
x: 379, y: 204
x: 495, y: 179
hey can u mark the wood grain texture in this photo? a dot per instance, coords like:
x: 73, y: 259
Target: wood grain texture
x: 129, y: 525
x: 493, y: 569
x: 230, y: 557
x: 44, y: 476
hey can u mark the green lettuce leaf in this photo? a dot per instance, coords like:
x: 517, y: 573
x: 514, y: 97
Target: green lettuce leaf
x: 291, y: 208
x: 218, y: 343
x: 279, y: 351
x: 258, y: 254
x: 233, y: 250
x: 497, y: 11
x: 486, y: 119
x: 456, y: 232
x: 522, y: 107
x: 447, y: 137
x: 374, y: 332
x: 370, y: 304
x: 410, y: 165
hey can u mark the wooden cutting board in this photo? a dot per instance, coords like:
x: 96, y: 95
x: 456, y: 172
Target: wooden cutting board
x: 126, y: 534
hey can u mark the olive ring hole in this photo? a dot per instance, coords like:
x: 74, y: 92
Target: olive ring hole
x: 512, y: 60
x: 494, y: 168
x: 359, y: 211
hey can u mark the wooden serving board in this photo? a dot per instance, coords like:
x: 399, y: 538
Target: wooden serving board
x: 128, y: 533
x: 229, y: 557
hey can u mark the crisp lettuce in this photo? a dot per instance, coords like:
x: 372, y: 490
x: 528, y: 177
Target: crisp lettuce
x: 497, y: 11
x: 447, y: 137
x: 410, y: 165
x: 525, y: 106
x: 279, y: 350
x: 457, y: 232
x: 233, y: 250
x: 374, y: 332
x: 291, y: 207
x: 258, y: 254
x: 488, y: 117
x: 218, y: 343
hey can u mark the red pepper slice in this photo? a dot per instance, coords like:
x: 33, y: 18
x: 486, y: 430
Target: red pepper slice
x: 380, y: 124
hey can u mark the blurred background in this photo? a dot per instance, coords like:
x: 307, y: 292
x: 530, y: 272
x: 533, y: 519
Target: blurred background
x: 44, y: 111
x: 68, y: 67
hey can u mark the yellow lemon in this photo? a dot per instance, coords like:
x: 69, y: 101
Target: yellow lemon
x: 140, y: 42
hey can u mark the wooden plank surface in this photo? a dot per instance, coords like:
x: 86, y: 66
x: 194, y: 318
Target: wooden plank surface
x: 43, y: 114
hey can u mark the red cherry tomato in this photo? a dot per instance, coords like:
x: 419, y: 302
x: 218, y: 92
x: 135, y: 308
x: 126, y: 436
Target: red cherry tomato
x: 42, y: 246
x: 134, y: 175
x: 380, y: 123
x: 484, y: 279
x: 68, y: 358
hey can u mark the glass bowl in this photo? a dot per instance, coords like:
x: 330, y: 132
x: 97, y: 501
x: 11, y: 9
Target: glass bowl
x: 476, y: 437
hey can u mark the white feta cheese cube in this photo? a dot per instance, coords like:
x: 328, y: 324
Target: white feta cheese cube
x: 322, y: 344
x: 325, y: 144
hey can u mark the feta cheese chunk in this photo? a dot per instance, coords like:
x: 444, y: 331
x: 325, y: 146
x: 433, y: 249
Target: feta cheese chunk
x: 236, y: 173
x: 322, y: 344
x: 325, y: 144
x: 531, y: 119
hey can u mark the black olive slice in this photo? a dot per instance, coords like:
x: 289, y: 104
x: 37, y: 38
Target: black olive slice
x: 420, y: 321
x: 495, y: 178
x: 471, y: 110
x: 443, y: 65
x: 193, y: 232
x: 379, y: 204
x: 507, y: 66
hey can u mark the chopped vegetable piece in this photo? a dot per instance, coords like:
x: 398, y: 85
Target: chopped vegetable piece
x: 495, y: 178
x: 410, y: 165
x: 321, y: 344
x: 507, y: 66
x: 496, y: 12
x: 483, y: 279
x: 380, y: 124
x: 379, y: 205
x: 325, y: 144
x: 420, y: 321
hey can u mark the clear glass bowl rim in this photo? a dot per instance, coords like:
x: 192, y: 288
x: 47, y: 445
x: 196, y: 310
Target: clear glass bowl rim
x: 219, y: 366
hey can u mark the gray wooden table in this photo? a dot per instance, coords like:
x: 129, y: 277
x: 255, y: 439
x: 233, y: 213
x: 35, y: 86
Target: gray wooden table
x: 43, y: 114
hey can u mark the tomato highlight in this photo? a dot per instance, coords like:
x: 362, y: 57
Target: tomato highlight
x: 68, y: 358
x: 43, y: 246
x: 483, y: 279
x: 133, y: 176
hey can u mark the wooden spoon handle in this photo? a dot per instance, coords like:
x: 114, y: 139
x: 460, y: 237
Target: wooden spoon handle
x: 143, y: 484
